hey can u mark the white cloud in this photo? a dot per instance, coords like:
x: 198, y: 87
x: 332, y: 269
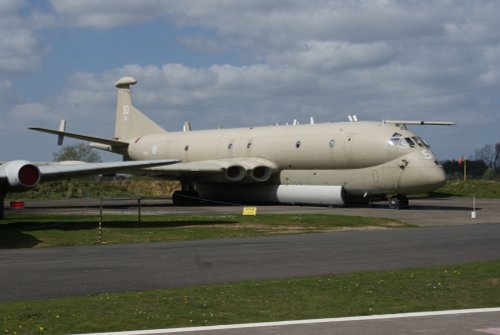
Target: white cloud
x: 200, y: 43
x: 376, y: 59
x: 24, y: 115
x: 10, y: 6
x: 20, y: 50
x: 335, y: 55
x: 106, y: 14
x: 7, y: 93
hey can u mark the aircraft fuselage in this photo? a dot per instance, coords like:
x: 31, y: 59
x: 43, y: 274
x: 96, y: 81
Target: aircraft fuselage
x: 356, y: 155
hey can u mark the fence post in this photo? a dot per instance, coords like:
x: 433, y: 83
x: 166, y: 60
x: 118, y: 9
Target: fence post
x: 139, y: 210
x: 100, y: 222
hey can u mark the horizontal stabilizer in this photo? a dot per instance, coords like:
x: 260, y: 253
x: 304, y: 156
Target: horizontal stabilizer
x: 420, y: 123
x: 113, y: 143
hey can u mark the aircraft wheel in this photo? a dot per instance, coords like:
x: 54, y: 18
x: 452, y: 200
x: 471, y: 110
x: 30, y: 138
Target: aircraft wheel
x: 398, y: 202
x: 185, y: 198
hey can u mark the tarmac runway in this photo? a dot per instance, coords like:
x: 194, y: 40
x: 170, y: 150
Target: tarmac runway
x: 60, y: 272
x: 448, y: 235
x: 422, y: 212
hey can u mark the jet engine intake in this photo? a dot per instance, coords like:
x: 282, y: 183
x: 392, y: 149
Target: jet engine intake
x: 20, y: 175
x: 261, y: 173
x: 235, y: 173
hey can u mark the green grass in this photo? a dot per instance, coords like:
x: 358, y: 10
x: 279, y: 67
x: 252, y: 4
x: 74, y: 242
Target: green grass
x: 422, y: 289
x: 92, y: 188
x: 487, y: 189
x: 19, y: 231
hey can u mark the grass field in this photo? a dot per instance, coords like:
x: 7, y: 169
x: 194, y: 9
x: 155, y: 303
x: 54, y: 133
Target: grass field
x: 19, y: 231
x: 422, y: 289
x: 480, y: 188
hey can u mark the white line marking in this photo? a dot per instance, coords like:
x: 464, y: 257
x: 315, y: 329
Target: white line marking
x: 301, y: 322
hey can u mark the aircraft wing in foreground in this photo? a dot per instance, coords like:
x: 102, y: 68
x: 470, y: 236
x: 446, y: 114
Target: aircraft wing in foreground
x: 21, y: 175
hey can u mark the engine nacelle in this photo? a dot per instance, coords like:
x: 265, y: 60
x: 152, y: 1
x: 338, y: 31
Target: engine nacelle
x: 20, y: 175
x: 258, y: 169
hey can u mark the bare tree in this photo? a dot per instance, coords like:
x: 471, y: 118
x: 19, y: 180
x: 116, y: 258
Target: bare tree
x: 497, y: 155
x: 77, y: 152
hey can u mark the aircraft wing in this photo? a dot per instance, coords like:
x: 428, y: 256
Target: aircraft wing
x: 229, y: 170
x: 19, y: 175
x: 77, y: 169
x: 420, y: 123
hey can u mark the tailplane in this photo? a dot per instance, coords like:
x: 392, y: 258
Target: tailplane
x: 130, y: 122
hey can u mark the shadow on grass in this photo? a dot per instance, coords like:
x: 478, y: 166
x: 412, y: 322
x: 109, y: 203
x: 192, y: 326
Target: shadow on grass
x: 14, y: 239
x: 68, y: 226
x: 17, y: 234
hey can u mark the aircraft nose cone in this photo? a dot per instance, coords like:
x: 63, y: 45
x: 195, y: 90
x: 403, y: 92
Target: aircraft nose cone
x: 422, y: 176
x: 435, y: 177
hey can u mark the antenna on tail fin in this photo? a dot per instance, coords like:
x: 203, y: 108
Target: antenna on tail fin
x: 129, y: 121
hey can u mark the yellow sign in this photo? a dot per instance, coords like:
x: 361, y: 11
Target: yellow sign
x: 250, y: 211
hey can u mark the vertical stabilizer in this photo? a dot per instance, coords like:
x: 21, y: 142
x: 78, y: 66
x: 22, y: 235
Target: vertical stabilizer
x: 130, y: 122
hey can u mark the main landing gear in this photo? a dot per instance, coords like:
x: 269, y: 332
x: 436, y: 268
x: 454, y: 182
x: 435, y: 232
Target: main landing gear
x: 398, y: 202
x: 188, y: 196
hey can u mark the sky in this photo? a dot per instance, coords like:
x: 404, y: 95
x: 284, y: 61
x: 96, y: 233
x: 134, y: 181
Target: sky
x: 239, y: 63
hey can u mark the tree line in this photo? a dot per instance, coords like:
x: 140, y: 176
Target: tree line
x: 484, y: 163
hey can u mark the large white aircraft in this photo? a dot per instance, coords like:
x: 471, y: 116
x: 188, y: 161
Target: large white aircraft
x: 21, y: 175
x: 320, y: 164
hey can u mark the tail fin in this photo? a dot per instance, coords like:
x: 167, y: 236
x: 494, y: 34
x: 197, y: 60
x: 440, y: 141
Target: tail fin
x: 130, y: 122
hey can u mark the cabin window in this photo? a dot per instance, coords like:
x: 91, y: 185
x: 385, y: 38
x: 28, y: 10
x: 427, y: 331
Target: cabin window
x: 297, y: 144
x: 186, y: 148
x: 249, y: 145
x: 230, y: 146
x: 331, y: 143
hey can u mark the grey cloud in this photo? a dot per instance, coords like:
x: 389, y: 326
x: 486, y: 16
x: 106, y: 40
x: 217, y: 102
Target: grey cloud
x: 376, y: 59
x: 335, y: 55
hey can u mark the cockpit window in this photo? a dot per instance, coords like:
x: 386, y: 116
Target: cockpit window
x: 418, y: 141
x: 410, y: 142
x: 395, y: 139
